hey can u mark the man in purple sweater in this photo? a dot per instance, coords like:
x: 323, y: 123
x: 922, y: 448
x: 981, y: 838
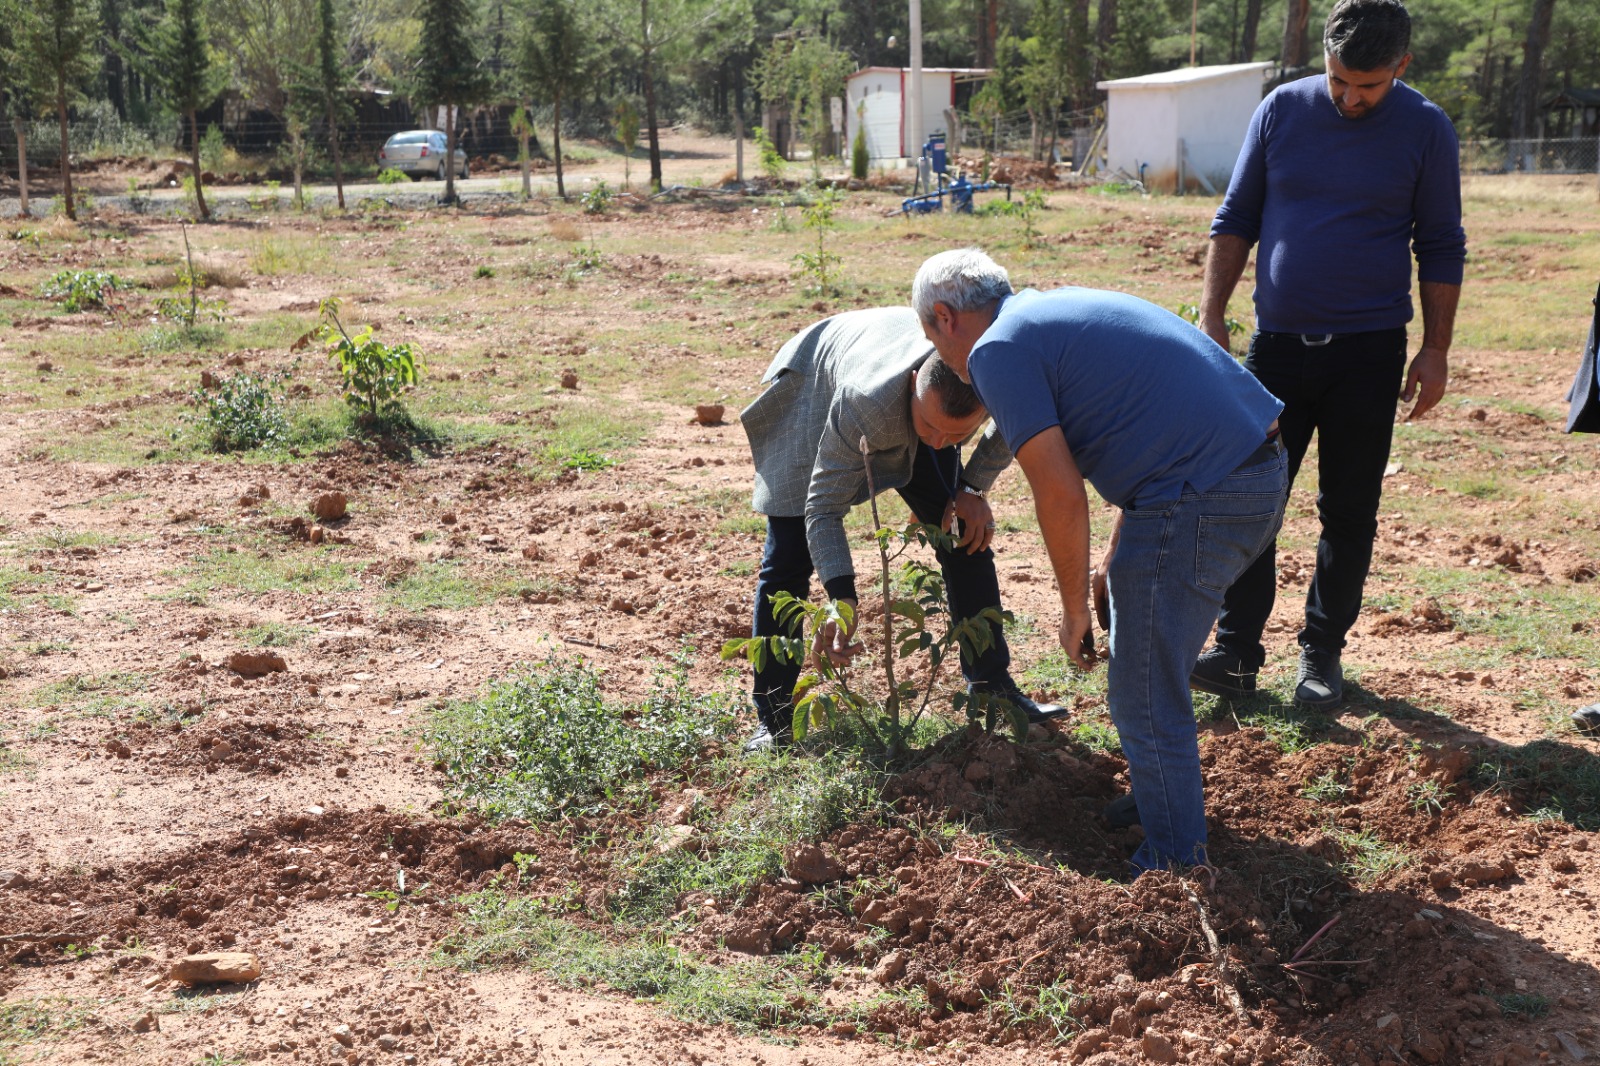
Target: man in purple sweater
x: 1341, y: 179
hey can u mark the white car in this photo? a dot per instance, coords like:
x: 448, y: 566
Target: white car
x: 420, y: 153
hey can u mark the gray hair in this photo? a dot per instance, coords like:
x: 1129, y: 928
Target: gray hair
x: 1368, y: 34
x: 963, y: 278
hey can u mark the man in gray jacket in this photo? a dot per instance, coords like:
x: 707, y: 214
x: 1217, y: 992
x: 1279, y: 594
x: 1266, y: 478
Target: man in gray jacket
x: 868, y: 374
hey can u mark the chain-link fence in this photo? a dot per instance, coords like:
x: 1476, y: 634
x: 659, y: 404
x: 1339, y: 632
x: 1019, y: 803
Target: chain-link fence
x: 1554, y: 155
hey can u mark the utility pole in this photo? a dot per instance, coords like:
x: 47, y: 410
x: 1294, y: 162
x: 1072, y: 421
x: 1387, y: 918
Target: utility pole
x: 913, y: 100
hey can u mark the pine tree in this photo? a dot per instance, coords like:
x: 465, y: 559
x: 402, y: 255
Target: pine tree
x: 180, y: 62
x: 16, y: 99
x: 555, y: 61
x: 321, y: 93
x: 56, y: 45
x: 447, y: 71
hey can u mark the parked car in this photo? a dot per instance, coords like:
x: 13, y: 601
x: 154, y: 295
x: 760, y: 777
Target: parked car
x: 419, y: 153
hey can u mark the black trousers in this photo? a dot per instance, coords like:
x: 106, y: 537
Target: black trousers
x: 971, y: 585
x: 1345, y: 392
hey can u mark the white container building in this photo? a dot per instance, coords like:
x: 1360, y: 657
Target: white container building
x: 1181, y: 130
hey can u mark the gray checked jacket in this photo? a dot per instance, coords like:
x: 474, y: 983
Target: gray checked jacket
x: 843, y: 378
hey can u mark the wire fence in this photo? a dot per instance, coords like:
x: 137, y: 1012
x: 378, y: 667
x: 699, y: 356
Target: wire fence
x: 1553, y: 155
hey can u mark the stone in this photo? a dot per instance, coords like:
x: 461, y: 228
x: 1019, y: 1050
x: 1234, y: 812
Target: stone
x: 256, y: 663
x: 148, y: 1023
x: 810, y: 865
x: 388, y: 1042
x: 343, y: 1037
x: 12, y: 879
x: 216, y: 967
x: 1428, y: 1047
x: 1158, y: 1048
x: 890, y: 967
x: 330, y: 506
x: 1088, y: 1044
x: 709, y: 414
x: 569, y: 379
x: 1484, y: 872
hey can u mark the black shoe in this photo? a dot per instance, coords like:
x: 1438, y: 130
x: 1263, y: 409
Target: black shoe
x: 1587, y: 719
x: 1320, y: 682
x: 1222, y: 673
x: 1121, y: 812
x: 1036, y: 713
x: 765, y: 741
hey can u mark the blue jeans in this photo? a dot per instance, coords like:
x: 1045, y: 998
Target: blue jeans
x: 1172, y: 565
x: 971, y: 585
x: 1344, y: 392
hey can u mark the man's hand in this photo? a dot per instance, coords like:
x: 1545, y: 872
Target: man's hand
x: 975, y: 518
x: 1100, y: 594
x: 834, y: 640
x: 1215, y: 326
x: 1426, y: 380
x: 1077, y: 638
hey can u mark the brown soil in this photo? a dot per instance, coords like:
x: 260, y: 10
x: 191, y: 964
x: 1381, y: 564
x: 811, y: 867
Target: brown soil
x: 272, y: 813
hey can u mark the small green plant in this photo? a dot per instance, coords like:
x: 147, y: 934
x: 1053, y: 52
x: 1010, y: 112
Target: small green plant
x: 1031, y: 204
x: 186, y: 308
x: 584, y: 460
x: 1529, y: 1005
x: 213, y: 148
x: 484, y: 272
x: 586, y: 258
x: 1427, y: 798
x: 1056, y: 1006
x: 138, y: 201
x: 858, y: 153
x: 1191, y: 313
x: 242, y: 411
x: 1325, y: 788
x: 1367, y: 856
x: 391, y: 176
x: 625, y: 128
x: 374, y: 374
x: 79, y: 290
x: 596, y: 198
x: 769, y: 158
x: 819, y: 264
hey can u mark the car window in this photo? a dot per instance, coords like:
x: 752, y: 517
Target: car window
x: 409, y: 138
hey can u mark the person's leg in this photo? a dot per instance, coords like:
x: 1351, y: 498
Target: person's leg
x: 785, y: 567
x: 970, y: 582
x: 1167, y: 581
x: 1359, y: 383
x: 1279, y: 363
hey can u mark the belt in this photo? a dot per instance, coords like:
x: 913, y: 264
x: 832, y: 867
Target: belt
x: 1270, y: 449
x: 1310, y: 340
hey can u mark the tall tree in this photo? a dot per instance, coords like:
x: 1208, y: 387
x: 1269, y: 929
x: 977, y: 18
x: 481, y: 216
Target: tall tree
x: 57, y: 40
x: 556, y: 59
x: 805, y: 73
x: 16, y: 96
x: 447, y: 71
x: 1525, y: 112
x: 322, y: 90
x: 1296, y: 51
x: 181, y: 64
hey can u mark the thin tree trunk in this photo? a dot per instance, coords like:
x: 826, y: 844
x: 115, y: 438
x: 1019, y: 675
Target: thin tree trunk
x: 561, y: 187
x: 449, y: 154
x: 22, y: 165
x: 1105, y: 35
x: 527, y: 166
x: 1247, y: 38
x: 333, y: 148
x: 1525, y: 112
x: 298, y: 147
x: 199, y: 182
x: 647, y: 78
x: 1295, y: 50
x: 66, y: 157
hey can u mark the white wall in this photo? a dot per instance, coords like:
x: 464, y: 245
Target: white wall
x: 880, y: 90
x: 1208, y: 108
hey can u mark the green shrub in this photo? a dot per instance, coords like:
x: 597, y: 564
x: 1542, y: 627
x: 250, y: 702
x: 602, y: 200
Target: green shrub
x: 81, y: 289
x: 858, y: 154
x: 374, y: 374
x: 213, y: 148
x: 771, y: 160
x: 596, y: 199
x: 242, y: 411
x: 545, y: 742
x: 391, y: 176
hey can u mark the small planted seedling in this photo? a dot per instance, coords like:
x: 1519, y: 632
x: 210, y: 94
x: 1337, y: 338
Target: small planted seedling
x: 79, y: 290
x: 374, y: 374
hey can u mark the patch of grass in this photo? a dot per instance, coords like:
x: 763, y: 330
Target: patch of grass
x: 10, y: 762
x: 1546, y: 777
x: 1325, y: 788
x: 1528, y: 1005
x: 1367, y: 856
x: 1288, y: 728
x: 275, y: 635
x: 272, y: 256
x: 1097, y: 734
x: 1055, y: 1006
x: 779, y: 802
x: 749, y: 995
x: 24, y: 1023
x: 11, y: 580
x: 447, y: 586
x: 58, y: 540
x: 739, y: 568
x: 545, y: 741
x: 89, y: 693
x: 260, y: 572
x: 753, y: 524
x: 1427, y: 797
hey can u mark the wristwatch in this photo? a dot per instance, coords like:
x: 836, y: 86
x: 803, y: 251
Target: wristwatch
x: 969, y: 490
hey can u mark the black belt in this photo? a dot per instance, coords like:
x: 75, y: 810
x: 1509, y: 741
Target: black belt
x: 1270, y: 449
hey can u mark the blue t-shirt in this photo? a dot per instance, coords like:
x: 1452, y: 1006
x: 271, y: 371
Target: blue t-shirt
x: 1147, y: 402
x: 1340, y: 206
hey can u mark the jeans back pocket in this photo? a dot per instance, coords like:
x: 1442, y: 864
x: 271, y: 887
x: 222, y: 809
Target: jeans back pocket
x: 1226, y: 545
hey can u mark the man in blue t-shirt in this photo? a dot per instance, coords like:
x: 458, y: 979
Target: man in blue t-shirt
x: 1090, y: 385
x: 1340, y: 180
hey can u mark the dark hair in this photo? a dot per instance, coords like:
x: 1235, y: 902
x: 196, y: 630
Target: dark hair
x: 1368, y: 34
x: 956, y: 398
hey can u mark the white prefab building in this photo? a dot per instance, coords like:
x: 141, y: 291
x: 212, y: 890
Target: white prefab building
x: 1181, y: 130
x: 875, y: 98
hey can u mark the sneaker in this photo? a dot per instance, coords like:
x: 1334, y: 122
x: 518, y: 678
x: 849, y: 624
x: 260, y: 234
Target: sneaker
x: 1036, y: 713
x: 765, y: 741
x: 1320, y: 682
x: 1121, y: 812
x: 1222, y: 673
x: 1587, y: 719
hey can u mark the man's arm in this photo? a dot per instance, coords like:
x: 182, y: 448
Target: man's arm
x: 1430, y: 370
x: 1062, y: 505
x: 1224, y: 266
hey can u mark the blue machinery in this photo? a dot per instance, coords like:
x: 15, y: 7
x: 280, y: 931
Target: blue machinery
x: 933, y: 168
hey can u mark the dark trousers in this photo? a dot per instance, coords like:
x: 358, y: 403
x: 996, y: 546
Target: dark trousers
x: 1344, y: 392
x: 970, y: 585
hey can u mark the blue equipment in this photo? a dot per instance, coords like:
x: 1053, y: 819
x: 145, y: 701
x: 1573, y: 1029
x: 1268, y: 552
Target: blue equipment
x: 959, y: 191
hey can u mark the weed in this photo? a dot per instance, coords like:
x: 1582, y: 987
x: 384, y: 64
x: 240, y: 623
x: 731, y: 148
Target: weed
x: 1286, y: 728
x: 374, y: 374
x: 484, y: 272
x: 1326, y: 788
x: 1427, y: 797
x: 24, y: 1023
x: 1528, y: 1005
x: 1548, y: 778
x: 597, y: 198
x: 819, y: 264
x: 275, y: 635
x: 1098, y: 734
x: 545, y: 740
x: 1367, y: 856
x: 79, y: 290
x: 391, y: 176
x: 242, y: 411
x: 447, y: 586
x: 584, y: 459
x: 769, y: 159
x: 186, y: 309
x: 1055, y: 1006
